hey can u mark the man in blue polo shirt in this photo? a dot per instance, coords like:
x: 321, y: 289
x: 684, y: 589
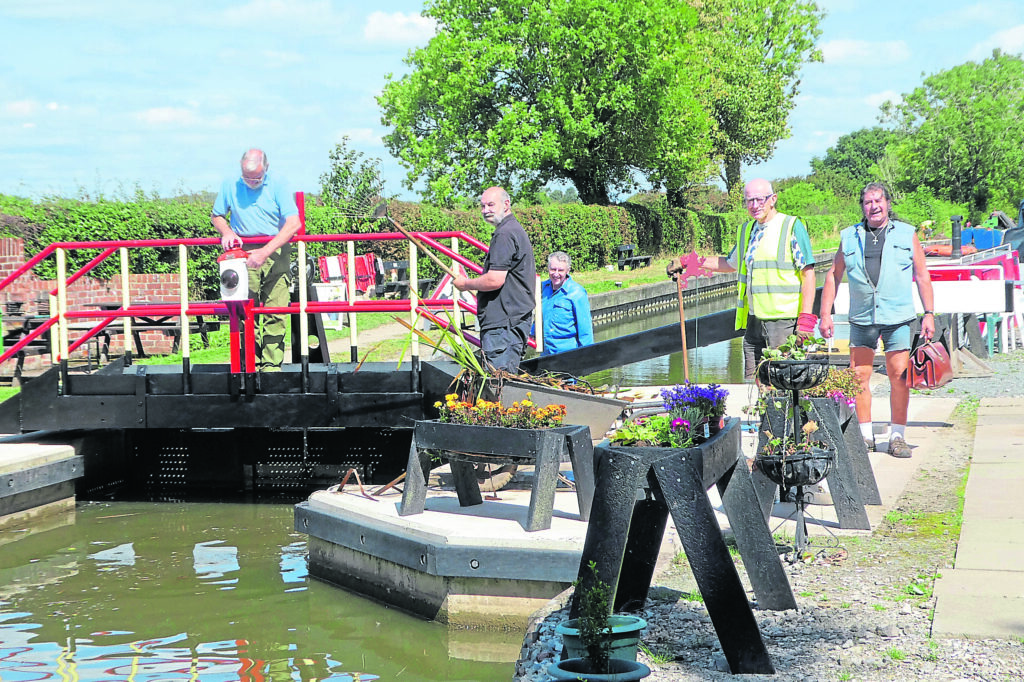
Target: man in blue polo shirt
x: 565, y: 308
x: 260, y: 205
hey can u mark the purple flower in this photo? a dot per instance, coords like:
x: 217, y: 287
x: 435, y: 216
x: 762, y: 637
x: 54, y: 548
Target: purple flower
x: 709, y: 400
x: 676, y: 423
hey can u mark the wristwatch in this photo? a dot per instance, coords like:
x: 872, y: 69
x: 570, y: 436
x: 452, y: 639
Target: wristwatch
x: 929, y: 312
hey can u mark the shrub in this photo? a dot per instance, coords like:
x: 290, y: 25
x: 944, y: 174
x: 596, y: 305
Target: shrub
x: 918, y: 206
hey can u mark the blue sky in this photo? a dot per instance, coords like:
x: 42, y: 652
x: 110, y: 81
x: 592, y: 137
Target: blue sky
x: 100, y: 97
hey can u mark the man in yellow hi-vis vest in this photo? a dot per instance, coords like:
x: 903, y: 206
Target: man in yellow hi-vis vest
x: 776, y: 282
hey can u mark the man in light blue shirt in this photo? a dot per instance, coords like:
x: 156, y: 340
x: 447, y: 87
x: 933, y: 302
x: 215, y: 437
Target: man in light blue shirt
x: 565, y: 308
x: 260, y: 205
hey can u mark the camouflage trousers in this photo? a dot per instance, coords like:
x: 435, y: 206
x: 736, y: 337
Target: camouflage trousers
x: 270, y: 286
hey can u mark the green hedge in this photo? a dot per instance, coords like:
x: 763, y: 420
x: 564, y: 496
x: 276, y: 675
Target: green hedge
x: 64, y: 220
x: 589, y: 234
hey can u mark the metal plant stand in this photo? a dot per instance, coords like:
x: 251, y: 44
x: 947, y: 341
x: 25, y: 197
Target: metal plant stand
x: 798, y: 471
x: 801, y: 468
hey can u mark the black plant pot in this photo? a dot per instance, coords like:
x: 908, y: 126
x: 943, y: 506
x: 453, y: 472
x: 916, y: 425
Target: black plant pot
x: 799, y: 469
x: 620, y: 670
x: 792, y: 375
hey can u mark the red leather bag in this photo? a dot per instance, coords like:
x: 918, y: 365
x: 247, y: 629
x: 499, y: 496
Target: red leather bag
x: 929, y: 366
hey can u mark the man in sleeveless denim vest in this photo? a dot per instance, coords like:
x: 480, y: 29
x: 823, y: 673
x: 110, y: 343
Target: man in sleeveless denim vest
x: 882, y: 258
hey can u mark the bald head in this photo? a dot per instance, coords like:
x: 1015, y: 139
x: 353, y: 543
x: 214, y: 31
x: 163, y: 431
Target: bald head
x: 759, y: 198
x: 495, y: 205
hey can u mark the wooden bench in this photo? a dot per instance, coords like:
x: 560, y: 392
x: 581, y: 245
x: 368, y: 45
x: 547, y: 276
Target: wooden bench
x: 626, y: 257
x: 399, y: 269
x: 197, y: 325
x: 16, y: 328
x: 170, y: 324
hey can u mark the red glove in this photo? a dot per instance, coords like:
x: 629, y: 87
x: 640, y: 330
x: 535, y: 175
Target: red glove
x: 806, y: 323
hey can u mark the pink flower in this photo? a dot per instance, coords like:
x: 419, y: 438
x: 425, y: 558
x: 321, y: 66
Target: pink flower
x: 676, y: 423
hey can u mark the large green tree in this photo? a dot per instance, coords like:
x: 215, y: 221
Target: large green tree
x: 754, y: 50
x: 523, y: 92
x: 963, y: 132
x: 847, y: 166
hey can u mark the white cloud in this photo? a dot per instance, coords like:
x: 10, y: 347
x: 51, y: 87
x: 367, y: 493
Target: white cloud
x: 24, y: 107
x: 307, y: 16
x: 1010, y: 40
x: 819, y: 141
x: 398, y: 28
x: 865, y: 52
x: 168, y: 116
x: 877, y: 99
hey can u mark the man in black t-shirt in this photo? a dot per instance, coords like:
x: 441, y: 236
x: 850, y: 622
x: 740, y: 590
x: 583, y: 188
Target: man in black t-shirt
x: 506, y: 288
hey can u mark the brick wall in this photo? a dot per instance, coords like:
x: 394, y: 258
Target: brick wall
x: 85, y: 292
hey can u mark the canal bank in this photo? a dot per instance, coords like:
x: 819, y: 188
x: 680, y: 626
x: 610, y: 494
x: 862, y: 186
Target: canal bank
x: 918, y: 597
x: 37, y: 478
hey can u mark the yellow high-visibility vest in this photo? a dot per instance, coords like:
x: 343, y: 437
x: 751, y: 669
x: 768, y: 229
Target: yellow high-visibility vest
x: 774, y: 282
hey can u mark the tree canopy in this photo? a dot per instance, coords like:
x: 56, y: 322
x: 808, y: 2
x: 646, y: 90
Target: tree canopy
x: 522, y: 93
x: 599, y: 94
x: 753, y: 51
x: 848, y: 165
x: 963, y: 131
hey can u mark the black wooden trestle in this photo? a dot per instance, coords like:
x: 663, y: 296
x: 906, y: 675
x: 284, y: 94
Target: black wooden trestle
x: 625, y: 535
x: 465, y: 446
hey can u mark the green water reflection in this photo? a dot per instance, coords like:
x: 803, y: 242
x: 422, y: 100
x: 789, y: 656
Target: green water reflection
x: 159, y: 591
x: 717, y: 363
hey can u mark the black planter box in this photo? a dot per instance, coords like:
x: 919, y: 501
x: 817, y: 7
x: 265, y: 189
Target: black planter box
x: 639, y: 487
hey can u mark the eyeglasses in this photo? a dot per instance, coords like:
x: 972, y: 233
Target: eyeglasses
x: 255, y: 182
x: 755, y: 201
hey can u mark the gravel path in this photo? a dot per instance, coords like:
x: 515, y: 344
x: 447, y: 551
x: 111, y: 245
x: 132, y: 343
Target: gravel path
x: 865, y: 605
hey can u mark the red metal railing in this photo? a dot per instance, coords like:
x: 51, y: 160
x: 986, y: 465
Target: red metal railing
x: 61, y: 313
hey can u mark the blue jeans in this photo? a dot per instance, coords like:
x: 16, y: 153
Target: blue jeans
x: 503, y: 348
x: 894, y: 336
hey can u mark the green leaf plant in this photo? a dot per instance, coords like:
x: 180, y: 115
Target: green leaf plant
x: 453, y: 344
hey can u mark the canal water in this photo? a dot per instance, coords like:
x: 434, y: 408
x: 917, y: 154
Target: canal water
x: 211, y: 592
x: 720, y: 362
x: 219, y: 592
